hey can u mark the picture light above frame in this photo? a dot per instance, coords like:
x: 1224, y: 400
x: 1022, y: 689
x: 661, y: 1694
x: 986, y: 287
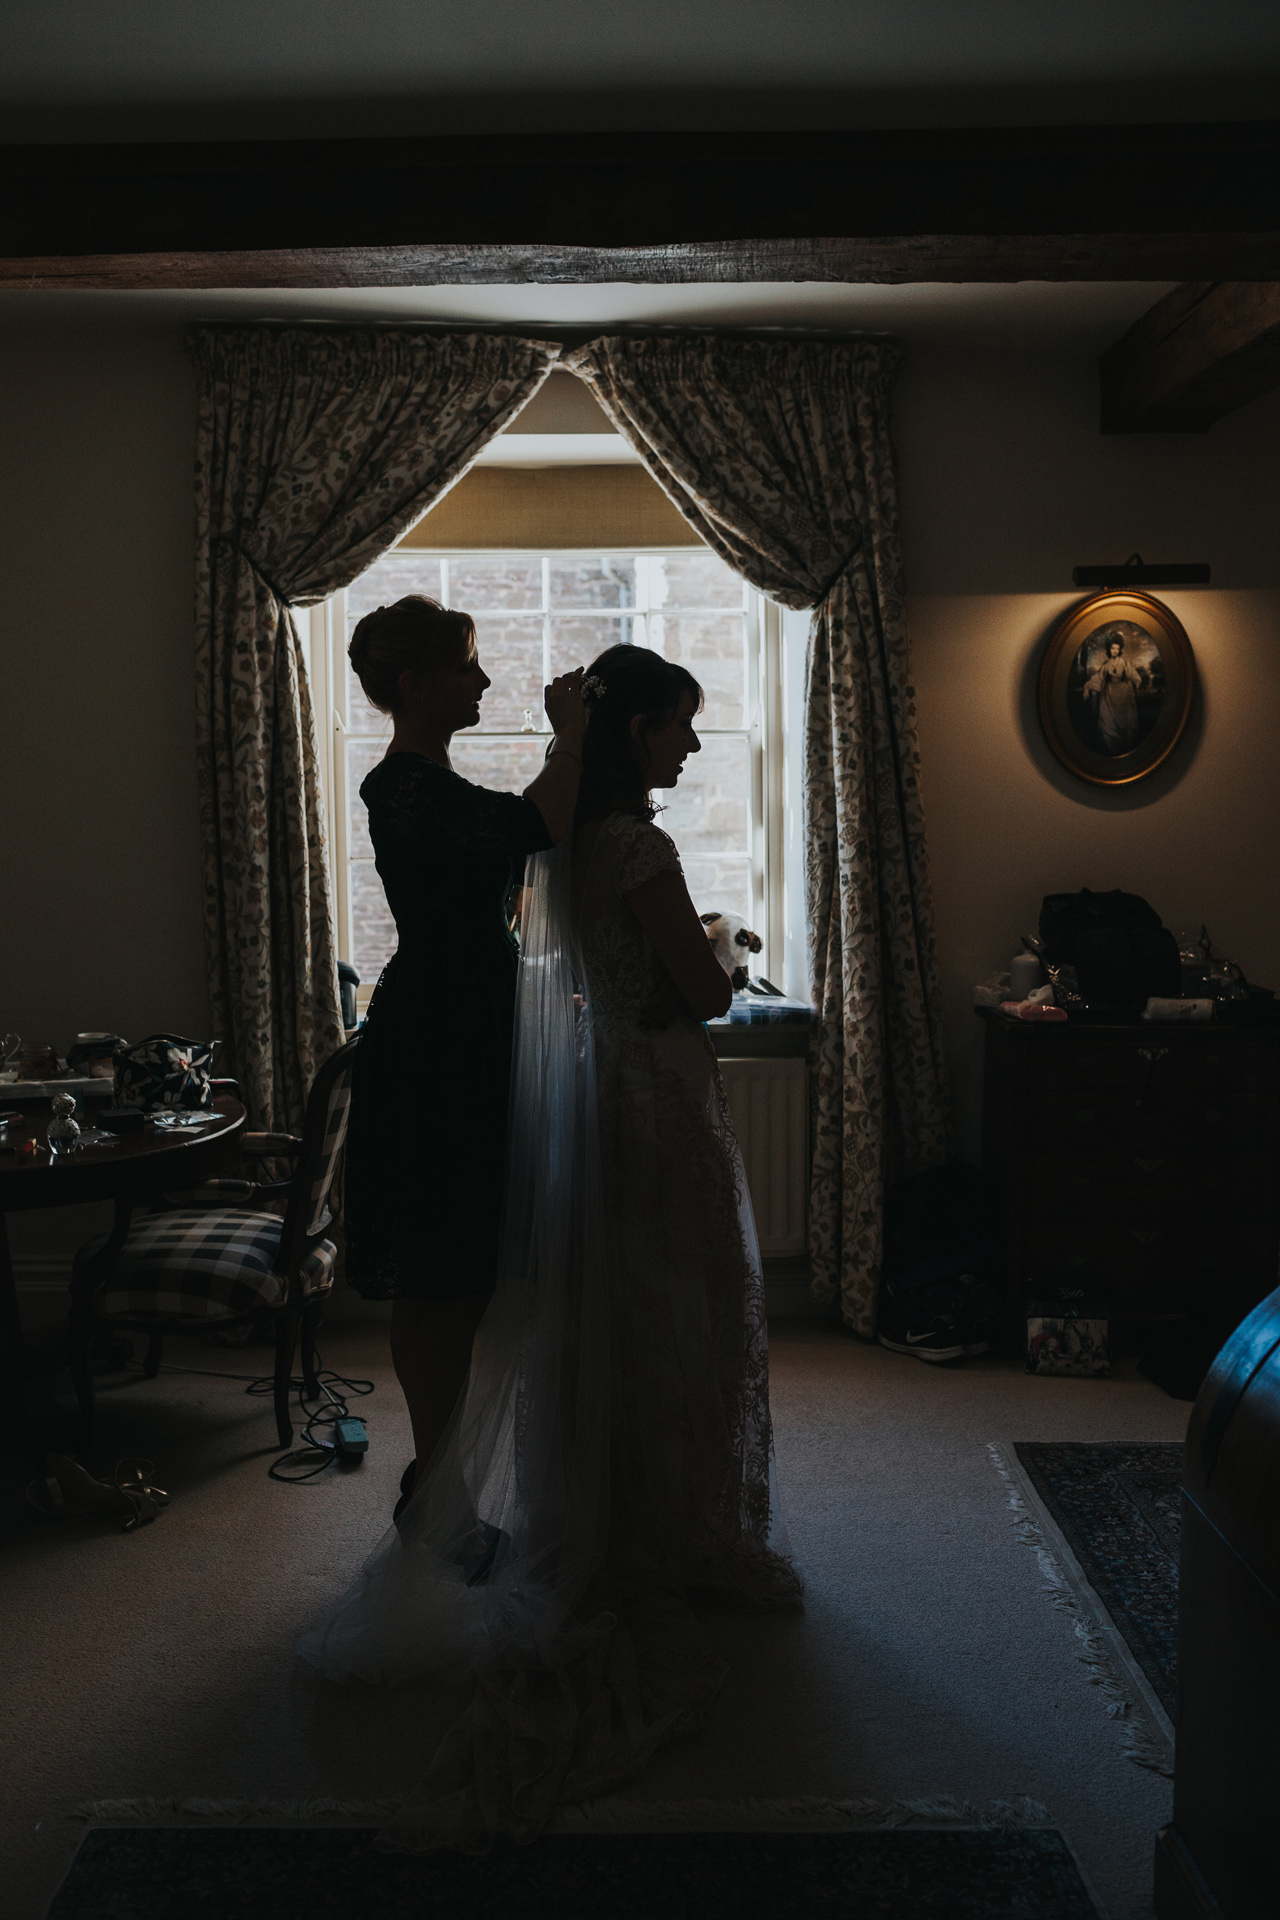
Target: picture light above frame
x: 1136, y: 573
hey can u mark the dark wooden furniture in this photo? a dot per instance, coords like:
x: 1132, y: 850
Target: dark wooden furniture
x: 1141, y: 1162
x: 137, y: 1168
x: 1217, y: 1858
x: 180, y: 1267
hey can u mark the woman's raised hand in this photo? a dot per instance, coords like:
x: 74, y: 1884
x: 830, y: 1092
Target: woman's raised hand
x: 564, y: 705
x: 555, y: 791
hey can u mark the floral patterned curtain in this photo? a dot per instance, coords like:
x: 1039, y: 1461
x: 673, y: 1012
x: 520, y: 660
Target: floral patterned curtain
x: 315, y: 452
x: 778, y: 453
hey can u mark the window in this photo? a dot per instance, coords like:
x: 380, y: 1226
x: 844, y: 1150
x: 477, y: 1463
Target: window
x: 537, y: 615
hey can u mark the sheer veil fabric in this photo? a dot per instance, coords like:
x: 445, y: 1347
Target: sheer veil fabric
x: 613, y: 1451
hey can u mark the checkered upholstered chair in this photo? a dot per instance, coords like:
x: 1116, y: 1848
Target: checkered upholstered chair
x: 203, y: 1261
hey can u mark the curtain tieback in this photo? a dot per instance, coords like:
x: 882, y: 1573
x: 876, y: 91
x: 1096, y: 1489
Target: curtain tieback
x: 238, y: 546
x: 840, y: 572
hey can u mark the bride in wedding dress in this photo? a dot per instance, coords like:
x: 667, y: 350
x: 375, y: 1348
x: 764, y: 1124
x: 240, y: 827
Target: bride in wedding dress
x: 612, y: 1453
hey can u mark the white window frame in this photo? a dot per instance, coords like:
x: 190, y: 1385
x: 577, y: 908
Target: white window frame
x: 771, y: 734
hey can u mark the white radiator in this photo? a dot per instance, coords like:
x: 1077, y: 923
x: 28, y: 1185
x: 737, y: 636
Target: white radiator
x: 769, y: 1101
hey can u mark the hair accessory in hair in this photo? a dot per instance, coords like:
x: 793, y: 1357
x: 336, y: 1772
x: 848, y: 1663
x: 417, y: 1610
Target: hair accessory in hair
x: 593, y: 689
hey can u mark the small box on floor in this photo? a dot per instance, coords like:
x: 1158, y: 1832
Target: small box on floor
x: 1068, y: 1336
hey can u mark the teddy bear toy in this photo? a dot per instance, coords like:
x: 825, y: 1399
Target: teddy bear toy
x: 731, y: 947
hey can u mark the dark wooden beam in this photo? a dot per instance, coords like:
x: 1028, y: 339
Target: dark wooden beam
x: 956, y: 204
x: 1204, y: 350
x: 891, y: 260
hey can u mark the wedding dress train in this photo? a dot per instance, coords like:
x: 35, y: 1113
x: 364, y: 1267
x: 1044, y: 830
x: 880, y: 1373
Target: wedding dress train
x: 613, y: 1450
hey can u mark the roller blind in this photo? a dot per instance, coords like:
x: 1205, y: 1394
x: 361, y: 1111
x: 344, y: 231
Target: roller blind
x: 546, y: 508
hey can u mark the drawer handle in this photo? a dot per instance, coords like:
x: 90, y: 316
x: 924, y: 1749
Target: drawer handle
x: 1146, y: 1238
x: 1153, y: 1053
x: 1147, y: 1162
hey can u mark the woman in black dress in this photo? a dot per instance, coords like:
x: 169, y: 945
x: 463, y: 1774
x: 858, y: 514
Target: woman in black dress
x: 426, y: 1143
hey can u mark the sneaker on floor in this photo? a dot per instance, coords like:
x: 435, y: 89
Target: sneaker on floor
x: 936, y: 1339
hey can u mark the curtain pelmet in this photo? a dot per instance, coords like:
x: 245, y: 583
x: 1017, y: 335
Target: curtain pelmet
x: 315, y: 452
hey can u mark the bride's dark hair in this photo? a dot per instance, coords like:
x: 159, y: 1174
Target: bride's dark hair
x: 622, y: 683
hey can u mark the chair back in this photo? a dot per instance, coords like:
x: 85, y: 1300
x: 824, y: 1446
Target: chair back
x: 324, y: 1132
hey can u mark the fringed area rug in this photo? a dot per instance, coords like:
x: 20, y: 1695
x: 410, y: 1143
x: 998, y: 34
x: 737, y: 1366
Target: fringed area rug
x: 292, y: 1873
x: 1102, y: 1517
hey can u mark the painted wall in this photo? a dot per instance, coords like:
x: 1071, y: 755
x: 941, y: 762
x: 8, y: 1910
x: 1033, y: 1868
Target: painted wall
x: 1006, y: 484
x: 101, y: 883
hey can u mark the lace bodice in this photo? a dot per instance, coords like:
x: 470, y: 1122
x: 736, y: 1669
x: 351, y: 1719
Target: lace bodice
x: 623, y: 971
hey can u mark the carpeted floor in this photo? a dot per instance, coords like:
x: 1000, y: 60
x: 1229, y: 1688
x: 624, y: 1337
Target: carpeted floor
x: 293, y: 1875
x: 928, y: 1661
x: 1117, y: 1507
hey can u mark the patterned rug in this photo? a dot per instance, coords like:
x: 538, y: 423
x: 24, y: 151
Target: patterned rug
x: 1116, y: 1505
x: 162, y: 1873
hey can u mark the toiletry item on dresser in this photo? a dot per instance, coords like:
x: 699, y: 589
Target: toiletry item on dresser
x: 1025, y: 975
x: 94, y: 1055
x: 63, y: 1131
x: 1156, y: 1009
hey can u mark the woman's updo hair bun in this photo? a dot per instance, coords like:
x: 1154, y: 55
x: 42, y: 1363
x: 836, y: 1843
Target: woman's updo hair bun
x: 411, y: 635
x: 624, y: 682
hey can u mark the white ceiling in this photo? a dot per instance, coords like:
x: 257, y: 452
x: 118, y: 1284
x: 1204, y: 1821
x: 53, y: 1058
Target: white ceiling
x: 1028, y: 315
x: 141, y: 49
x: 916, y: 61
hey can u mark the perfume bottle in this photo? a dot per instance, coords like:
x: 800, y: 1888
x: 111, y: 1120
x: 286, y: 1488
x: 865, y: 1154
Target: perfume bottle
x: 64, y: 1132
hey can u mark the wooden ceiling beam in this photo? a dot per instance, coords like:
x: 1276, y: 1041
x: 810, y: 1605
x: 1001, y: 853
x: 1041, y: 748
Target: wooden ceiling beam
x: 1058, y: 203
x: 1204, y: 350
x: 892, y: 259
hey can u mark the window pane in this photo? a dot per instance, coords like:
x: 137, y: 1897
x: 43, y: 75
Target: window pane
x: 713, y: 647
x: 397, y: 573
x: 577, y: 639
x: 722, y: 884
x: 692, y: 580
x: 687, y: 605
x: 373, y: 931
x: 480, y: 580
x: 505, y: 766
x: 510, y: 649
x: 592, y: 582
x: 361, y: 756
x: 710, y: 810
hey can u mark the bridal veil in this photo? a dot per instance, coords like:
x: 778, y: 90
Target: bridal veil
x: 518, y: 1563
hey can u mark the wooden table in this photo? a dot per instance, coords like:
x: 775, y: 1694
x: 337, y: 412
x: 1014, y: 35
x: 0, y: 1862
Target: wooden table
x: 133, y: 1168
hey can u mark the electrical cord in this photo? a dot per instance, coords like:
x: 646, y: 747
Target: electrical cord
x: 318, y: 1453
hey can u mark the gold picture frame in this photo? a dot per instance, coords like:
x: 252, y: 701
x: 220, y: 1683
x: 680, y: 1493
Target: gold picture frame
x: 1116, y: 687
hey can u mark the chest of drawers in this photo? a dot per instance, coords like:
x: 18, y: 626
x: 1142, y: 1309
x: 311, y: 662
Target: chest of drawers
x: 1141, y: 1162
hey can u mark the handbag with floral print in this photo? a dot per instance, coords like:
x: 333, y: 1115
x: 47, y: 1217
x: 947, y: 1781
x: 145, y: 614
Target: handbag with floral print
x: 165, y: 1071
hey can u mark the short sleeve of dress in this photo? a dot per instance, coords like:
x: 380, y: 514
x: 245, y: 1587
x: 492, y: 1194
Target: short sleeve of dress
x: 644, y: 851
x: 520, y: 825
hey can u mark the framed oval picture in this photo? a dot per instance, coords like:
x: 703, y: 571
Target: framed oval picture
x: 1116, y: 687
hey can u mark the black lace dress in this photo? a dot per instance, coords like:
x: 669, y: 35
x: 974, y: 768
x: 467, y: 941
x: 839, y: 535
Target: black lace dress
x: 429, y: 1090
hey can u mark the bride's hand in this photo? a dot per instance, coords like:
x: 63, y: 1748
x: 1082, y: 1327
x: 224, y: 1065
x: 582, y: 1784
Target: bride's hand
x: 665, y: 1005
x: 564, y: 705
